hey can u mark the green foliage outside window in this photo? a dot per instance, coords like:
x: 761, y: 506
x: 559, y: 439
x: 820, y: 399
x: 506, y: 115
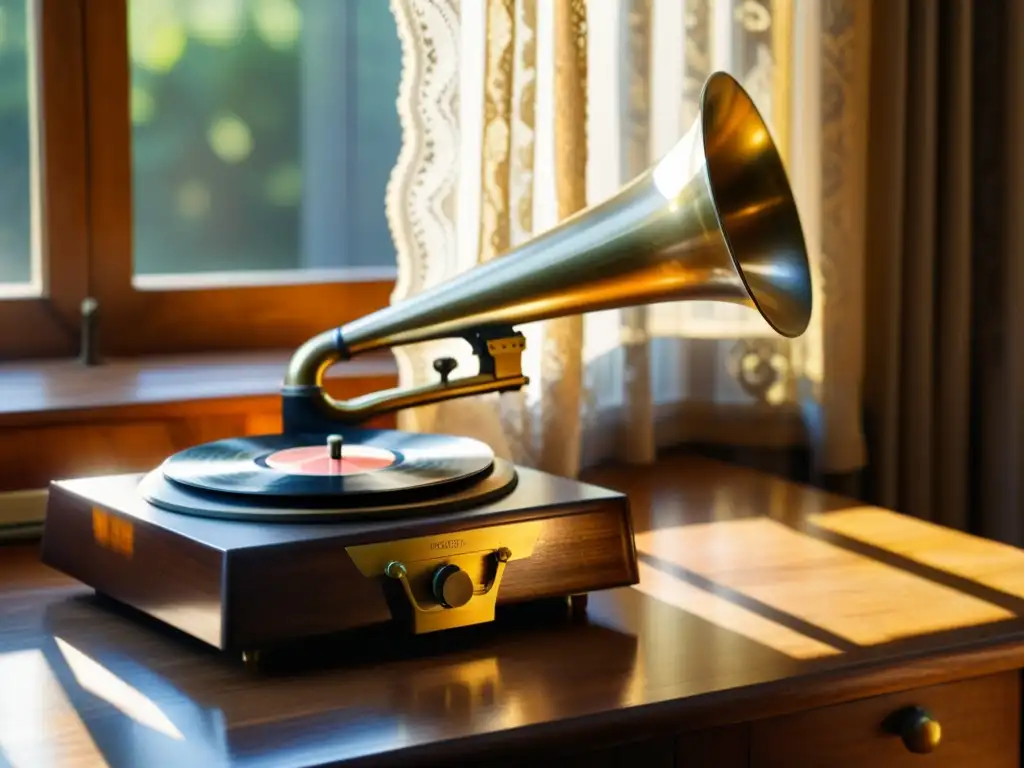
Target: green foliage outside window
x: 15, y: 199
x: 219, y: 95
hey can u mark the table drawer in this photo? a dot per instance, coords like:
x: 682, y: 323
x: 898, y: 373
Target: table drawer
x: 978, y: 721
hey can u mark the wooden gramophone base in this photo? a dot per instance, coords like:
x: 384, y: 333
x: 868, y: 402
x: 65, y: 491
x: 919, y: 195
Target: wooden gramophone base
x: 246, y: 586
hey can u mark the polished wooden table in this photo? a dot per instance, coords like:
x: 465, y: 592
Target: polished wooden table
x: 774, y: 625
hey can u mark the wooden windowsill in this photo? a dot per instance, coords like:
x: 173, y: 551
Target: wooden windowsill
x: 43, y: 393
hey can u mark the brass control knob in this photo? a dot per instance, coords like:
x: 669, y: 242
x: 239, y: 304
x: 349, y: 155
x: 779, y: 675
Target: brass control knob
x: 920, y: 732
x: 452, y: 586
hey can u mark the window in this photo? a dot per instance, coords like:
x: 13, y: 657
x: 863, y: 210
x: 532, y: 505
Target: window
x: 19, y: 267
x: 43, y: 268
x: 220, y: 167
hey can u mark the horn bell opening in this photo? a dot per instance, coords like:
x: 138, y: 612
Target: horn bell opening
x: 754, y: 205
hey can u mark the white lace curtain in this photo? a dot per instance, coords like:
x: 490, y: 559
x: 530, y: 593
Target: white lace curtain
x: 516, y: 113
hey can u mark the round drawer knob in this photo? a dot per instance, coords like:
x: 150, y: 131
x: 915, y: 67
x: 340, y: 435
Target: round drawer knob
x: 453, y: 587
x: 921, y: 733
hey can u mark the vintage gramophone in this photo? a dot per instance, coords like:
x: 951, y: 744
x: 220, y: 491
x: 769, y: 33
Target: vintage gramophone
x: 328, y: 526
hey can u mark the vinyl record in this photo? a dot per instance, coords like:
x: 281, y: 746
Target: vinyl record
x: 371, y: 463
x: 456, y: 497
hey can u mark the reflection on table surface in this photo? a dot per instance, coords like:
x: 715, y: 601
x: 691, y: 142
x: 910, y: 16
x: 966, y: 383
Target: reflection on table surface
x: 101, y: 684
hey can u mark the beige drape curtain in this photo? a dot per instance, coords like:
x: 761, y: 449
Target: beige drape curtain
x: 545, y: 433
x: 541, y: 427
x: 944, y: 376
x: 517, y: 113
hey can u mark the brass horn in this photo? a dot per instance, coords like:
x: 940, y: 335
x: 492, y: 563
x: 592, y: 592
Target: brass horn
x: 713, y: 220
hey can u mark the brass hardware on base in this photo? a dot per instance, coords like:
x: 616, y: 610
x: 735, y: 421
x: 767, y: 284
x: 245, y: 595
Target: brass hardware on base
x: 449, y: 581
x: 473, y: 605
x: 452, y: 586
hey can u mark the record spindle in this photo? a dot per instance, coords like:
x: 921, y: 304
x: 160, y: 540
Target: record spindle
x: 334, y: 443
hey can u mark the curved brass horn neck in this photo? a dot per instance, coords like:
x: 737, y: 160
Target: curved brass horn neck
x: 310, y: 361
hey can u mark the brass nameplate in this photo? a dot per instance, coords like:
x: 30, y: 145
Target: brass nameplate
x: 478, y: 558
x: 519, y: 538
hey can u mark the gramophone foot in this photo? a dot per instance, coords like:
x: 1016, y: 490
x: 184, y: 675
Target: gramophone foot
x: 578, y: 604
x: 252, y: 659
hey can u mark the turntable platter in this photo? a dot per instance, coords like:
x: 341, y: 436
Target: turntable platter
x: 349, y: 474
x: 157, y: 490
x: 367, y: 461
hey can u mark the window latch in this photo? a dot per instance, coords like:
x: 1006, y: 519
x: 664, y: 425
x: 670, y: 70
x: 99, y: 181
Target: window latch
x: 89, y: 351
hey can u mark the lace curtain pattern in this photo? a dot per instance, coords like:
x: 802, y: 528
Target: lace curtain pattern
x: 518, y: 113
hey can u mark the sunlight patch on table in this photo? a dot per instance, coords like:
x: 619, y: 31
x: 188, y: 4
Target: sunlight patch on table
x: 854, y: 597
x: 719, y: 611
x: 100, y: 682
x: 990, y: 563
x: 38, y: 724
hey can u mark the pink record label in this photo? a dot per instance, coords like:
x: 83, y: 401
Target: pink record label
x: 316, y: 460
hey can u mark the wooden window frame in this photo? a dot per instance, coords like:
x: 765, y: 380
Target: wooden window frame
x: 47, y: 325
x: 137, y: 322
x: 87, y: 245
